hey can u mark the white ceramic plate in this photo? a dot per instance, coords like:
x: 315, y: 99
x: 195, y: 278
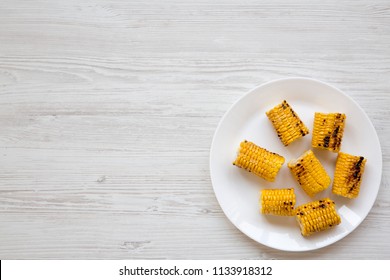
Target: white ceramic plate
x: 237, y: 191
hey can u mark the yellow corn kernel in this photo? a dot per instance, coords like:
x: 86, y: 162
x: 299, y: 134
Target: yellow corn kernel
x: 280, y: 202
x: 348, y: 175
x: 261, y: 162
x: 286, y: 122
x: 328, y: 131
x: 317, y: 216
x: 309, y: 173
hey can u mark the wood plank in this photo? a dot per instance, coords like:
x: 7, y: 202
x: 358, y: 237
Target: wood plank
x: 108, y: 109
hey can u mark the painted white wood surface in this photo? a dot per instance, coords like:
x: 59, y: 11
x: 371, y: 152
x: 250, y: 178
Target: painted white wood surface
x: 108, y: 108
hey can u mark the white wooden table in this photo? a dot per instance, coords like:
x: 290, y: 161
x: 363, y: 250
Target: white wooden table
x: 108, y: 108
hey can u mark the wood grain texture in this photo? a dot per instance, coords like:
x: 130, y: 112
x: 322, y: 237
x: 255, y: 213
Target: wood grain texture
x: 108, y: 108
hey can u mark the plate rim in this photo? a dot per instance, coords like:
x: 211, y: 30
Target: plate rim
x: 297, y: 78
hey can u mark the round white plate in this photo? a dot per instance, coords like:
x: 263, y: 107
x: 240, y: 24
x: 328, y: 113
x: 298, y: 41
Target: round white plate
x: 238, y: 191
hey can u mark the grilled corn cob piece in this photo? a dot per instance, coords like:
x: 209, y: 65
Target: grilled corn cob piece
x: 280, y: 202
x: 309, y: 173
x: 317, y: 216
x: 328, y: 131
x: 258, y: 160
x: 286, y: 122
x: 348, y: 175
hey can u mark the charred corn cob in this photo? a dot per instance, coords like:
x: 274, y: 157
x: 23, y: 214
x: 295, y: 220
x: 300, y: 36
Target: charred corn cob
x: 328, y: 131
x: 280, y: 202
x: 258, y: 160
x: 348, y: 175
x: 286, y: 122
x: 309, y: 173
x: 317, y: 216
